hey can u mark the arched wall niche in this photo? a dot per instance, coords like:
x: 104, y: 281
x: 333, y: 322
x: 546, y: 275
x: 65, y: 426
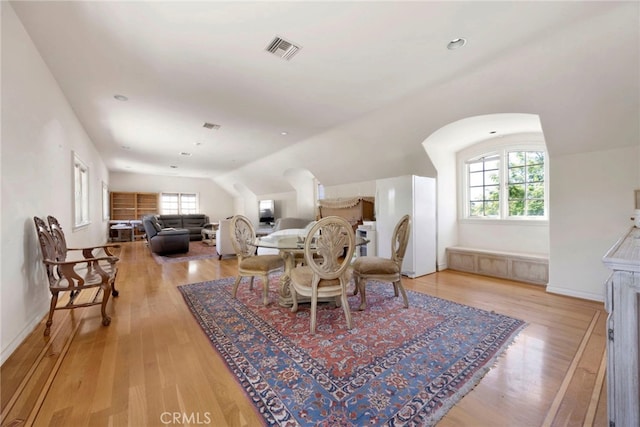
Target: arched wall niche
x: 441, y: 147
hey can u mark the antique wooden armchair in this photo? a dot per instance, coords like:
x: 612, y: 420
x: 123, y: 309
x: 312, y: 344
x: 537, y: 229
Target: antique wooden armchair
x: 90, y: 252
x: 84, y: 282
x: 249, y: 264
x: 384, y: 269
x: 326, y: 273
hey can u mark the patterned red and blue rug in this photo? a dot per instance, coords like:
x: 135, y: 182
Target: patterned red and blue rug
x: 396, y: 366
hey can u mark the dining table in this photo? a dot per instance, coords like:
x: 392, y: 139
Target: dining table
x: 291, y: 249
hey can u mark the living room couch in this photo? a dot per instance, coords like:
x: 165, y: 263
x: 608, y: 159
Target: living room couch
x: 165, y: 241
x: 192, y: 222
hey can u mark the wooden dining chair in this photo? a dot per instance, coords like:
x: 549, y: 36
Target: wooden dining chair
x: 249, y: 264
x: 384, y: 269
x: 328, y: 248
x: 85, y: 281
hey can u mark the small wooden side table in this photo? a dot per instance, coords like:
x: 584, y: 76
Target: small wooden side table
x: 209, y: 236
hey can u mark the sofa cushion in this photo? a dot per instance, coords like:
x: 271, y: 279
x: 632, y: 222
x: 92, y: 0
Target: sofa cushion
x: 194, y: 221
x: 171, y: 221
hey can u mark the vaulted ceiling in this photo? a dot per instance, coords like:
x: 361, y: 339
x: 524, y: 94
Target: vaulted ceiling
x: 371, y: 81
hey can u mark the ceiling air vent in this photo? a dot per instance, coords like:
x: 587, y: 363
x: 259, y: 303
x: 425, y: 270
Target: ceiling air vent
x: 211, y: 126
x: 282, y: 48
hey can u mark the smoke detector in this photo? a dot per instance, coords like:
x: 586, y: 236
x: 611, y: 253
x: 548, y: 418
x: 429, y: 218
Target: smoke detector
x: 282, y: 48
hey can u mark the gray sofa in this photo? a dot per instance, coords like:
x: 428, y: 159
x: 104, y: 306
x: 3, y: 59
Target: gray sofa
x: 194, y: 223
x: 165, y: 241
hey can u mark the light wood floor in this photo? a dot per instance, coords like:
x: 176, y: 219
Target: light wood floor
x: 154, y: 359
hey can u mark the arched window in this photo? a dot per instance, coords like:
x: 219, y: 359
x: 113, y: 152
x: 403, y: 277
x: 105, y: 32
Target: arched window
x: 504, y: 180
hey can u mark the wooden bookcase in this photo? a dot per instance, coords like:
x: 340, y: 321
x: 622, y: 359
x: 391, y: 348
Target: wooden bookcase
x: 129, y: 205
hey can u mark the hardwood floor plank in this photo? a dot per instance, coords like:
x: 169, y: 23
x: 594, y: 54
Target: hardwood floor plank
x: 154, y: 358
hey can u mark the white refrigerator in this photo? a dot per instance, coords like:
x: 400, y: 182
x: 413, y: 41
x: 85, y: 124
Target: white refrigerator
x: 416, y: 196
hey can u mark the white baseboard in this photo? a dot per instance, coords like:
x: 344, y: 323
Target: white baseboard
x: 576, y: 294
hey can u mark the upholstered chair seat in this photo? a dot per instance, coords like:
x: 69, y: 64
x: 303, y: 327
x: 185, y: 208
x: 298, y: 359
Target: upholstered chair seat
x: 303, y: 276
x: 376, y: 265
x: 384, y: 269
x: 261, y: 262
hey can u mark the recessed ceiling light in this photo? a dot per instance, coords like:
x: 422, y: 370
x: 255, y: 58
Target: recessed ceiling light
x: 492, y: 132
x: 121, y: 97
x: 284, y: 133
x: 173, y: 167
x: 184, y: 153
x: 211, y: 126
x: 197, y: 144
x: 456, y: 43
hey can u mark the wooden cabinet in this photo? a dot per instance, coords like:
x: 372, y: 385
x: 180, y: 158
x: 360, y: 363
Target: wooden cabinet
x: 127, y: 206
x: 622, y: 302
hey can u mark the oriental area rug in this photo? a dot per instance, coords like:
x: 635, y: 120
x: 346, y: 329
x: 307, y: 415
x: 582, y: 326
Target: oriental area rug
x: 197, y: 250
x: 396, y: 366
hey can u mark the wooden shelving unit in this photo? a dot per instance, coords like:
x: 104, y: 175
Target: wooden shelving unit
x: 127, y: 206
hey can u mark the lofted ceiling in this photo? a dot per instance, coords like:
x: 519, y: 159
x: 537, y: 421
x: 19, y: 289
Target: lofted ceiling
x: 183, y: 64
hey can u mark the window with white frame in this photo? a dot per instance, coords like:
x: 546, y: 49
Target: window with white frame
x: 80, y: 192
x: 179, y: 203
x: 506, y: 183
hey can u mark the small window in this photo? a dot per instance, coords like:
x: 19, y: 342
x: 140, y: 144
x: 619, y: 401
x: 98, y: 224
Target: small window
x: 484, y: 186
x: 526, y: 183
x: 509, y: 183
x: 179, y: 203
x: 80, y: 192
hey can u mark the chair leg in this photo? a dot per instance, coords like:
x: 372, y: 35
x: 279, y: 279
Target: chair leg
x: 265, y: 290
x: 251, y: 283
x: 294, y: 299
x: 52, y: 308
x: 114, y: 292
x: 395, y: 289
x: 362, y: 284
x: 235, y: 286
x: 314, y: 310
x: 398, y: 285
x: 106, y: 293
x: 345, y: 308
x: 356, y: 279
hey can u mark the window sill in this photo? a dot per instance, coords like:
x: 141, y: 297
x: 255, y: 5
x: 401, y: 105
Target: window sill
x: 492, y: 221
x: 81, y: 226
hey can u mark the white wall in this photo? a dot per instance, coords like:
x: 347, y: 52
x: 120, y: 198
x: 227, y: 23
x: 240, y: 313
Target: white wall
x: 525, y: 237
x: 39, y: 134
x: 354, y: 189
x: 285, y: 203
x: 592, y: 201
x: 214, y: 201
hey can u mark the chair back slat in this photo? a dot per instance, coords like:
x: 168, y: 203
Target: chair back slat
x: 400, y: 239
x: 242, y: 235
x: 58, y: 236
x: 329, y: 246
